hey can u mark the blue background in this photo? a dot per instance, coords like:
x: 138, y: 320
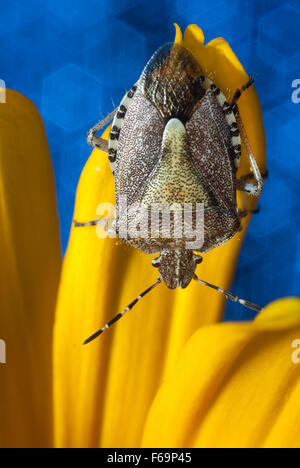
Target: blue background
x: 74, y: 58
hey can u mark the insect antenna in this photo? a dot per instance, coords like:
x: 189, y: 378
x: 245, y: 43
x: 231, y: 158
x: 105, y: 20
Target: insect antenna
x: 230, y: 296
x: 120, y: 315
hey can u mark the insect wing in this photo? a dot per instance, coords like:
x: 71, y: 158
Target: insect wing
x: 138, y: 148
x: 210, y: 148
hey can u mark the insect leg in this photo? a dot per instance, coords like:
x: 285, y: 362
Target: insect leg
x: 251, y: 176
x: 230, y: 296
x: 109, y: 229
x: 98, y: 142
x: 239, y: 92
x: 94, y: 222
x: 243, y: 184
x: 243, y: 213
x: 120, y: 315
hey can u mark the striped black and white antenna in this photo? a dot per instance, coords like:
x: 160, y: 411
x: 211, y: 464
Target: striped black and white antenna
x: 229, y: 295
x: 120, y: 315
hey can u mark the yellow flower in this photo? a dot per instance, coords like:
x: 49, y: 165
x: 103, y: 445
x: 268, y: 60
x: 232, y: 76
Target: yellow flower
x: 29, y: 275
x: 236, y: 385
x: 103, y: 392
x: 168, y: 374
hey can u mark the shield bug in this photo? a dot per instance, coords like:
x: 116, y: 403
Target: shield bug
x: 175, y: 139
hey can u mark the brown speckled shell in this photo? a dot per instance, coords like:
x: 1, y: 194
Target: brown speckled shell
x: 170, y: 87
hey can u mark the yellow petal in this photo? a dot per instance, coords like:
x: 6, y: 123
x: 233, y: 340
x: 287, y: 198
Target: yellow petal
x: 235, y: 385
x: 178, y: 34
x: 279, y: 315
x: 29, y: 274
x: 103, y: 392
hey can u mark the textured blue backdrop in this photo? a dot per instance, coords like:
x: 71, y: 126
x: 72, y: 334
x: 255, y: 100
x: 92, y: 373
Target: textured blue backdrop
x: 73, y: 58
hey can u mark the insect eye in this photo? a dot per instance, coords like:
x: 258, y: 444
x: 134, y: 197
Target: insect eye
x: 156, y: 262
